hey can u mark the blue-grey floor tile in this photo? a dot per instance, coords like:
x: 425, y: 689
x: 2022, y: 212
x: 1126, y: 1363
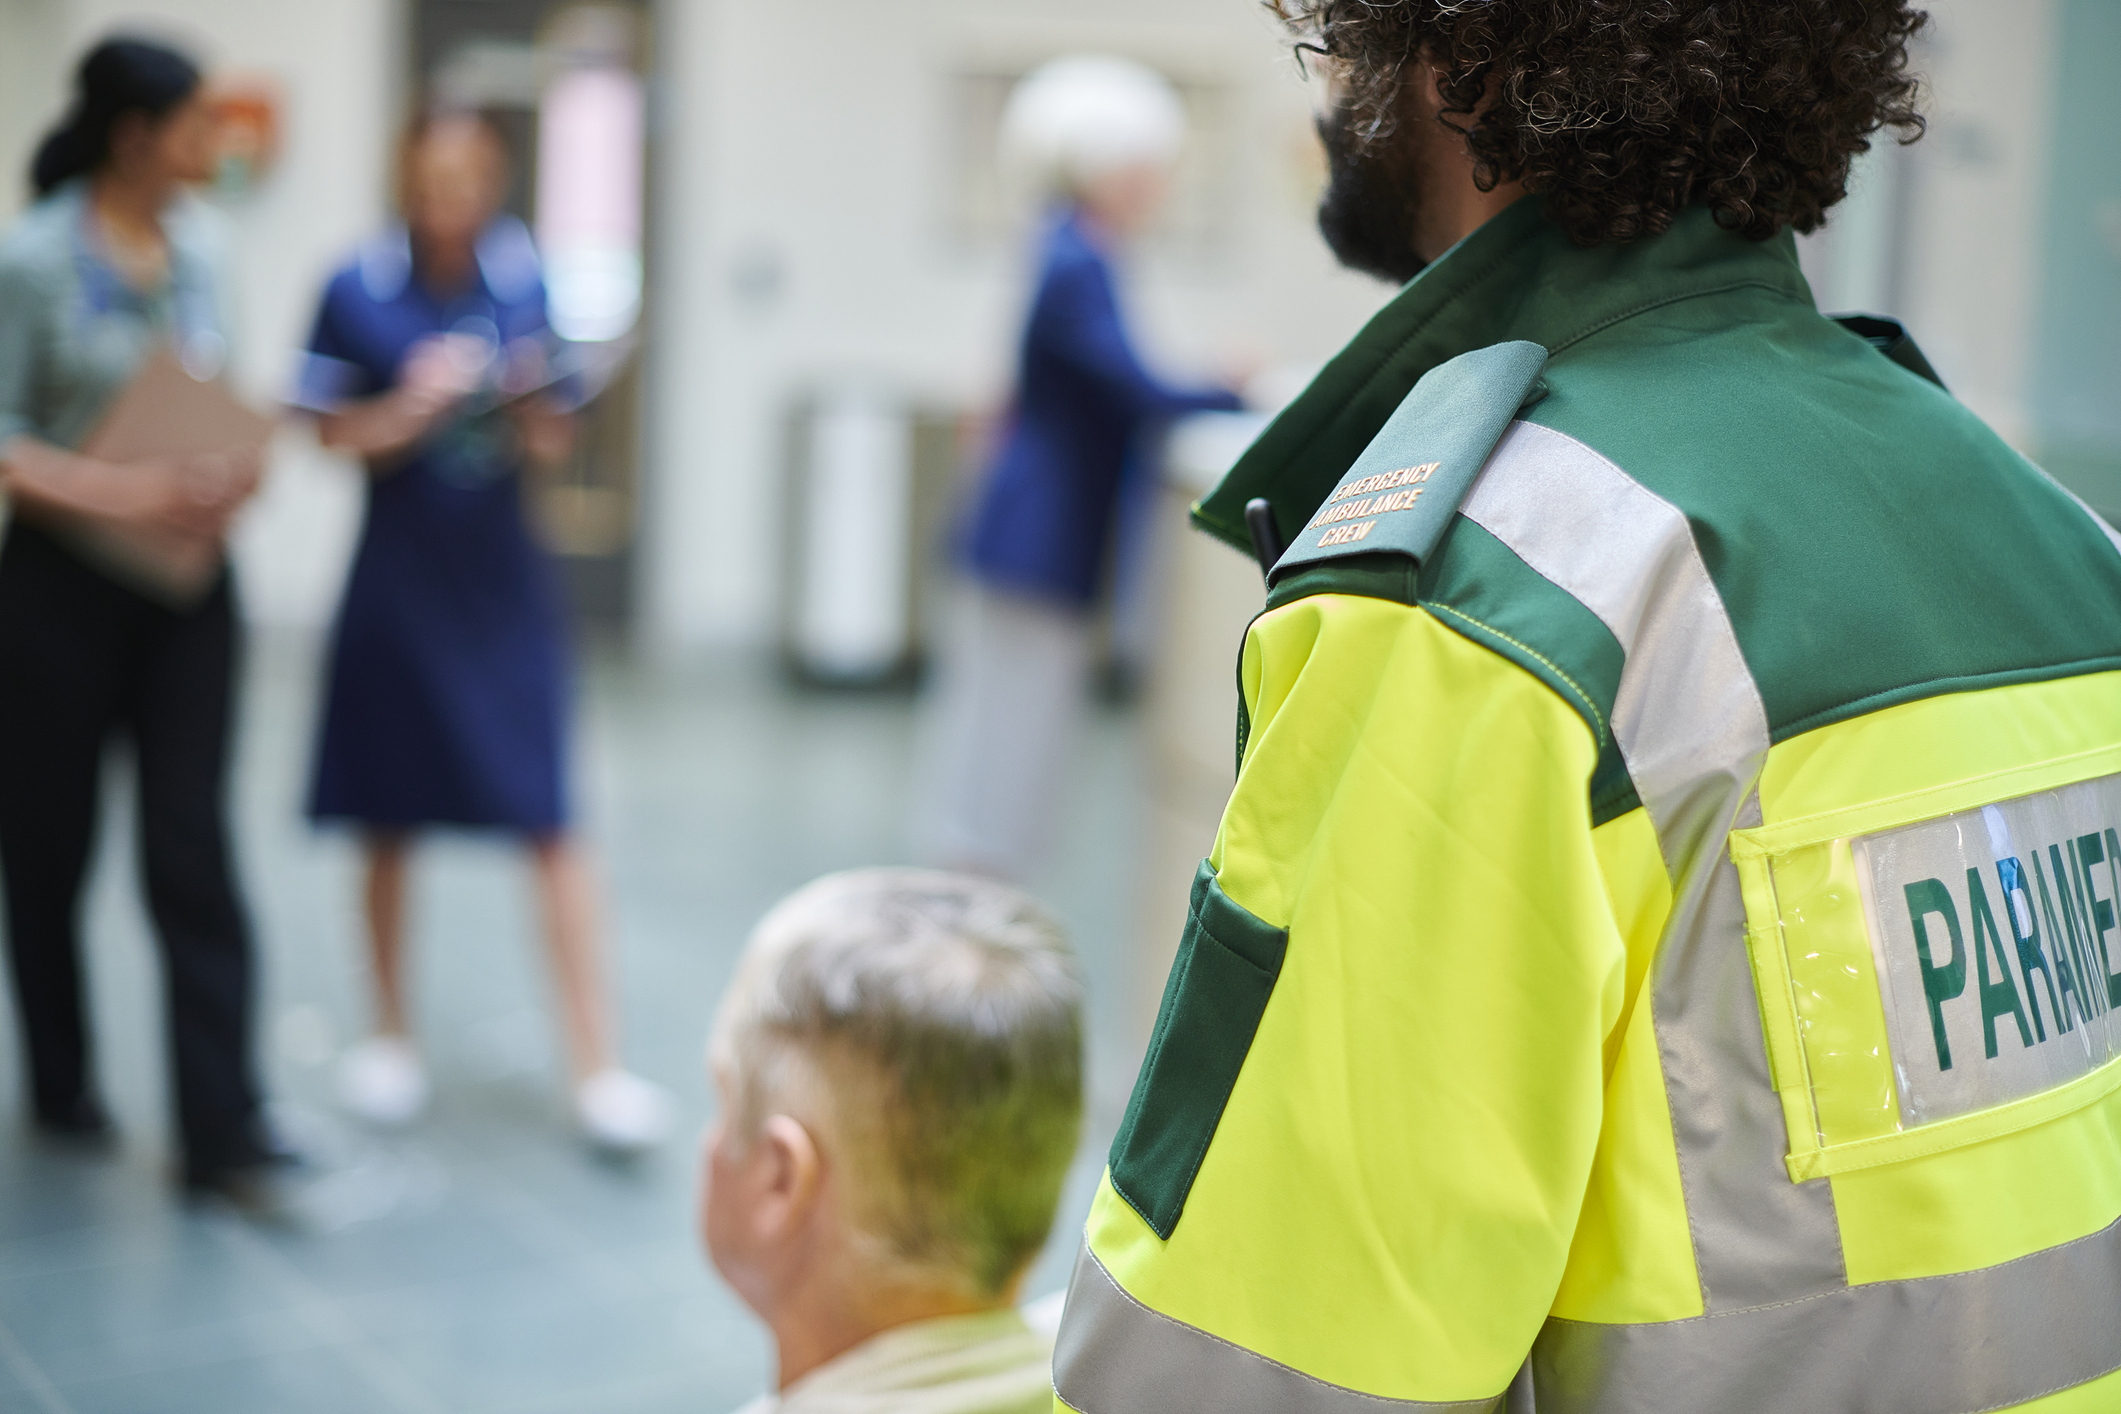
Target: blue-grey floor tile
x: 120, y: 1348
x: 512, y: 1354
x: 179, y: 1308
x: 483, y: 1260
x: 691, y: 1395
x: 26, y: 1391
x: 47, y: 1191
x: 309, y: 1381
x: 456, y: 1240
x: 526, y: 1295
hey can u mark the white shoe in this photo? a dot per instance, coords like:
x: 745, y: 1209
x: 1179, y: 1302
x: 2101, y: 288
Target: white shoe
x: 382, y: 1081
x: 622, y: 1112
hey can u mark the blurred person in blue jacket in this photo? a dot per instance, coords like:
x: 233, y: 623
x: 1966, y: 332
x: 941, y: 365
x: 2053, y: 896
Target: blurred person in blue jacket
x: 1101, y: 135
x: 446, y: 703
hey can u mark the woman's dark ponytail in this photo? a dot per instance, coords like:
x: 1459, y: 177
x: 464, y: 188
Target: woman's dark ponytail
x: 117, y: 77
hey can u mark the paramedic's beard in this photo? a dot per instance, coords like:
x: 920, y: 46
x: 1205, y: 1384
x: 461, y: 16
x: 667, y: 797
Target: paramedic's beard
x: 1368, y: 210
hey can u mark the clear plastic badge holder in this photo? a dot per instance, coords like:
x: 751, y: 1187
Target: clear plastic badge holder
x: 1943, y: 964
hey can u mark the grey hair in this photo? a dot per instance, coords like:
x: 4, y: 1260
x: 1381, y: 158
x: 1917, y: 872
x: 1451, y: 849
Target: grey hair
x: 1077, y: 118
x: 932, y: 1022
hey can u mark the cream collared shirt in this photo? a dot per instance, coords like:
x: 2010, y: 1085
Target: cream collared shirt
x: 997, y: 1362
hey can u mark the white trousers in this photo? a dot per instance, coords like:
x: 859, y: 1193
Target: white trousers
x: 1001, y: 725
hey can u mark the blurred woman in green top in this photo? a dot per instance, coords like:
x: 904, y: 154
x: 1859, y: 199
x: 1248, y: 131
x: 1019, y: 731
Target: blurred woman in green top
x: 108, y: 265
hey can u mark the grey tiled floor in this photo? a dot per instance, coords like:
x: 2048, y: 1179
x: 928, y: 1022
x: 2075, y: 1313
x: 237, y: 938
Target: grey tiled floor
x: 483, y: 1261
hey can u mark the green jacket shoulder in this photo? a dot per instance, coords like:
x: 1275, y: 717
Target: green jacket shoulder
x: 1400, y: 495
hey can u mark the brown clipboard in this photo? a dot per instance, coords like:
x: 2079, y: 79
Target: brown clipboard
x: 164, y: 412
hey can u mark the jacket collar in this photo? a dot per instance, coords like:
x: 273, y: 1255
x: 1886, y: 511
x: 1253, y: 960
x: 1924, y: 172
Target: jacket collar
x: 1516, y: 277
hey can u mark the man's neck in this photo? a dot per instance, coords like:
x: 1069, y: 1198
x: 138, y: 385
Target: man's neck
x: 1455, y: 208
x: 827, y: 1319
x: 1451, y: 206
x: 1458, y: 210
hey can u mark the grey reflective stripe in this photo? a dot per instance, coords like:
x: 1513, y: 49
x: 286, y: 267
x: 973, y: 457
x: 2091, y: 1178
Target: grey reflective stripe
x: 1690, y: 725
x: 1986, y: 1339
x: 1116, y: 1356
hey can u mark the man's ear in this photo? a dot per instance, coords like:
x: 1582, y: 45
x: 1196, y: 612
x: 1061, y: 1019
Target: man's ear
x: 1421, y: 100
x: 792, y: 1178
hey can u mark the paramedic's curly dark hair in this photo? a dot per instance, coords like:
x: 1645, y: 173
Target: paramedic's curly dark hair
x: 1624, y: 111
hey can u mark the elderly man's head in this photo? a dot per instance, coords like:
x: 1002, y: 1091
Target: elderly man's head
x: 899, y: 1061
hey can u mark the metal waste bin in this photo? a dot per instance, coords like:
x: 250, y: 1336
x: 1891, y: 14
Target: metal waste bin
x: 850, y: 615
x: 870, y: 477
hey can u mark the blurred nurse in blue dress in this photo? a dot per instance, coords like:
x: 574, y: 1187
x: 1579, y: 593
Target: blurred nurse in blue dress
x: 1077, y: 454
x: 447, y: 701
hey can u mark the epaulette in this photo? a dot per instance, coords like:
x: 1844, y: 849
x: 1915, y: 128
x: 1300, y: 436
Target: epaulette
x: 1401, y: 493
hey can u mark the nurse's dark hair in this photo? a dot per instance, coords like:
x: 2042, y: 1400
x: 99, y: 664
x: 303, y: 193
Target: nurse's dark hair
x: 429, y: 117
x: 1624, y: 112
x: 119, y: 76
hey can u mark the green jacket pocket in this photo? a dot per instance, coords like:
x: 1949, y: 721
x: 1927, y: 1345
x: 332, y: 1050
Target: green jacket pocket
x: 1225, y: 971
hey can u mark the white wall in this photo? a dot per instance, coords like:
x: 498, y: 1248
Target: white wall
x: 32, y: 89
x: 1946, y: 235
x: 832, y: 171
x: 1979, y: 199
x: 810, y: 144
x: 813, y: 142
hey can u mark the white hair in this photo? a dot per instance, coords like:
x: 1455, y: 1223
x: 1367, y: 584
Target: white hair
x: 1075, y: 119
x: 931, y: 1024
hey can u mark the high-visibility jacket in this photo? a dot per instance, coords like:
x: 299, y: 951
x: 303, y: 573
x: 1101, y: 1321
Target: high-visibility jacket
x: 1661, y: 953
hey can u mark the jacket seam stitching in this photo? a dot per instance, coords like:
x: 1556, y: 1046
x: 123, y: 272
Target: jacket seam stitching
x: 2017, y: 1403
x: 1601, y: 325
x: 1828, y: 716
x: 1598, y: 722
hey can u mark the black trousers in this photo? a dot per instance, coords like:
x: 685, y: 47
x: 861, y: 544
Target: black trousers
x: 83, y: 659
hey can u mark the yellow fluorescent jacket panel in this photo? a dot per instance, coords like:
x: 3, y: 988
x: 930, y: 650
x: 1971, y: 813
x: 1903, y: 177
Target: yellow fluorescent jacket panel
x: 1347, y: 826
x: 1559, y: 1171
